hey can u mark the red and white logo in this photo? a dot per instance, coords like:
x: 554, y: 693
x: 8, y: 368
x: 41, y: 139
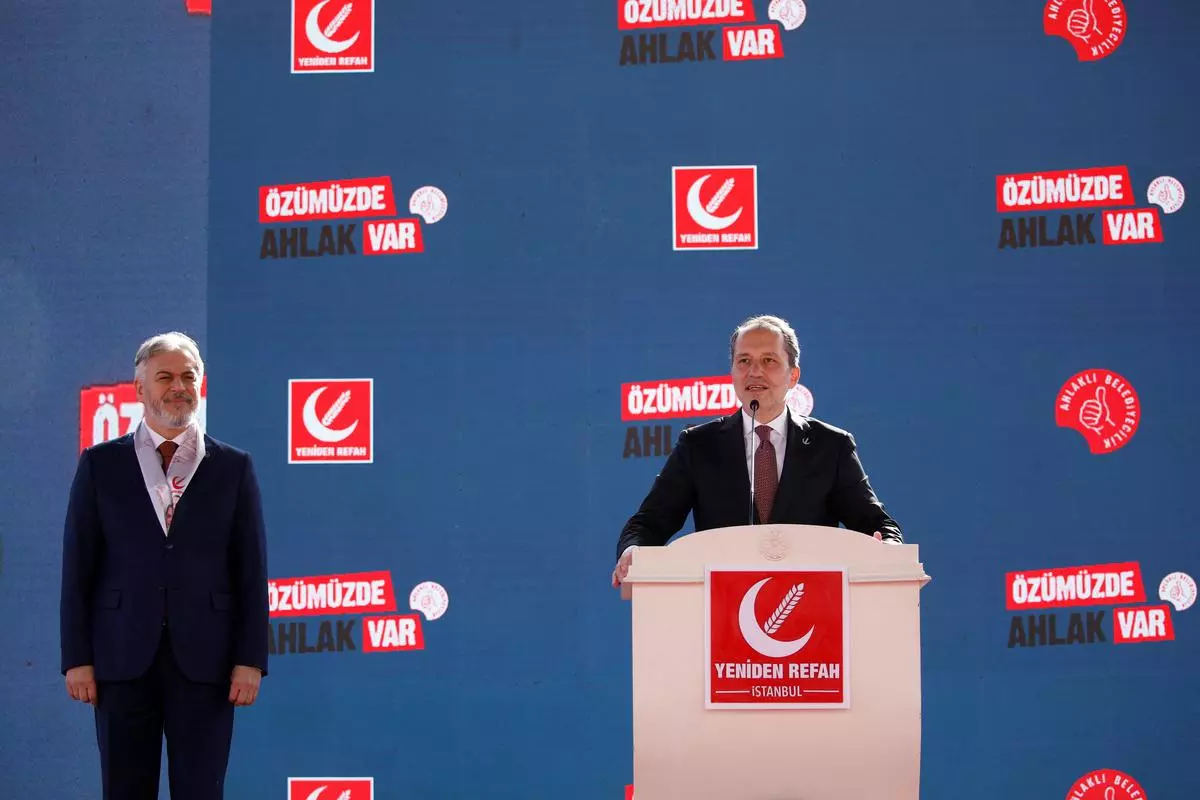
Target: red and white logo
x: 1095, y: 28
x: 1178, y: 589
x: 1102, y: 406
x: 1167, y: 193
x: 372, y: 594
x: 1106, y: 784
x: 112, y: 410
x: 331, y: 789
x: 345, y: 199
x: 777, y: 638
x: 331, y: 421
x: 789, y: 13
x: 714, y: 208
x: 430, y: 203
x: 333, y: 36
x: 799, y: 400
x: 430, y: 598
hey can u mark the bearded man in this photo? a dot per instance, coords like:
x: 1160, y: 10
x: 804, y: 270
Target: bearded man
x: 164, y: 587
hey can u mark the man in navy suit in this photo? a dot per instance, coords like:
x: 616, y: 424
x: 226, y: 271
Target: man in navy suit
x: 164, y: 587
x: 805, y: 471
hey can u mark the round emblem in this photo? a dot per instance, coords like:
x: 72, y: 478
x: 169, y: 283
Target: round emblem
x: 799, y: 400
x: 1102, y: 406
x: 430, y: 203
x: 773, y: 546
x: 430, y: 599
x: 1167, y: 193
x: 790, y: 13
x: 1179, y: 590
x: 1106, y: 784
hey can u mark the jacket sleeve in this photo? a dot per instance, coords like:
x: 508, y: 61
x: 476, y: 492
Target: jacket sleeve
x: 666, y: 507
x: 249, y: 564
x: 82, y: 546
x: 854, y: 500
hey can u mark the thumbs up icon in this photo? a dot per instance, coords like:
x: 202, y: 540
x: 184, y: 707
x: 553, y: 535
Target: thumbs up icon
x: 1093, y: 28
x: 1082, y: 21
x: 1084, y: 404
x: 1095, y: 411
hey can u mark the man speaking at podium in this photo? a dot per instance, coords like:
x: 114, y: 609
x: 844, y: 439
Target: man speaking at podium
x: 759, y: 464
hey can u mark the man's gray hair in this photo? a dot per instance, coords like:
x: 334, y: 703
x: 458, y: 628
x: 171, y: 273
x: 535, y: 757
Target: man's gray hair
x: 173, y: 342
x: 776, y: 324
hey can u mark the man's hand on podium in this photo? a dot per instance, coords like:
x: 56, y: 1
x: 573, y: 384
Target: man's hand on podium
x: 623, y: 563
x: 879, y: 538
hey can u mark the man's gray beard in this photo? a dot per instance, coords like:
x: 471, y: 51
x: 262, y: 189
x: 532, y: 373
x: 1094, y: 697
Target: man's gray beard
x: 160, y: 415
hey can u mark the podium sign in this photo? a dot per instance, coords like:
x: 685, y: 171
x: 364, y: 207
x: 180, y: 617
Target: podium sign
x: 776, y: 638
x: 756, y: 620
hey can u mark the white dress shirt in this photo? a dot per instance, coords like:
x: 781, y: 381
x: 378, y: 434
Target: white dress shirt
x: 179, y: 474
x: 752, y: 441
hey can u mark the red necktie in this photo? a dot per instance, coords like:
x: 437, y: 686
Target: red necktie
x: 167, y: 451
x: 766, y: 478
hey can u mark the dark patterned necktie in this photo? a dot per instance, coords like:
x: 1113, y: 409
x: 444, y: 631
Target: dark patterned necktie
x: 766, y: 478
x: 167, y: 451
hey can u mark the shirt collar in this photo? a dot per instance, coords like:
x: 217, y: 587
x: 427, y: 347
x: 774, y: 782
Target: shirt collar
x: 190, y: 438
x: 779, y: 424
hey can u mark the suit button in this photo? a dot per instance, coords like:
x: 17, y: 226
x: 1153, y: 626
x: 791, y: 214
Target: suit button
x: 170, y: 545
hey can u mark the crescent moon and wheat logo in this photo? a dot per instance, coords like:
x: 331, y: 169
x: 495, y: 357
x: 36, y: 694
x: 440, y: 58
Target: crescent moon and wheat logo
x: 705, y: 213
x: 319, y: 427
x: 759, y: 636
x: 322, y: 39
x: 316, y: 794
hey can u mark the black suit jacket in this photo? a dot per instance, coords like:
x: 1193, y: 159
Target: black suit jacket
x: 123, y: 580
x: 822, y: 483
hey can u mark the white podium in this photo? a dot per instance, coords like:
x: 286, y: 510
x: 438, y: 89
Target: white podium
x: 866, y: 749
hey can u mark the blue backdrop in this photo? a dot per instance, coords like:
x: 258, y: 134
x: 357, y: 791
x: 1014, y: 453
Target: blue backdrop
x: 104, y: 120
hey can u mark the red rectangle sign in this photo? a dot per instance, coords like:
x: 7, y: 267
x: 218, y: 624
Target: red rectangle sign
x: 777, y: 638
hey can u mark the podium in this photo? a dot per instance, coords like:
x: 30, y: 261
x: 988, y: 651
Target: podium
x: 776, y: 662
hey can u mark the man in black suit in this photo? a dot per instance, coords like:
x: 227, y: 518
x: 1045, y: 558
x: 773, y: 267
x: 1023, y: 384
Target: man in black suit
x: 164, y: 587
x: 806, y: 472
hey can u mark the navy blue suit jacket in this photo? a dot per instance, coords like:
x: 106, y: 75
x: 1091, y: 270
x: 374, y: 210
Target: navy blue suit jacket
x: 823, y: 483
x: 123, y: 579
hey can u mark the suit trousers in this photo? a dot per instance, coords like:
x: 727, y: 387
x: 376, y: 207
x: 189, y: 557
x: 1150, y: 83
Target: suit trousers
x: 132, y: 716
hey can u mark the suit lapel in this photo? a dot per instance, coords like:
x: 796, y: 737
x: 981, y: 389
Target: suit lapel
x: 733, y: 451
x: 796, y: 461
x: 137, y: 483
x: 200, y: 482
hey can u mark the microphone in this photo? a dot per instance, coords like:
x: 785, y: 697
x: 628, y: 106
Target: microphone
x: 753, y: 436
